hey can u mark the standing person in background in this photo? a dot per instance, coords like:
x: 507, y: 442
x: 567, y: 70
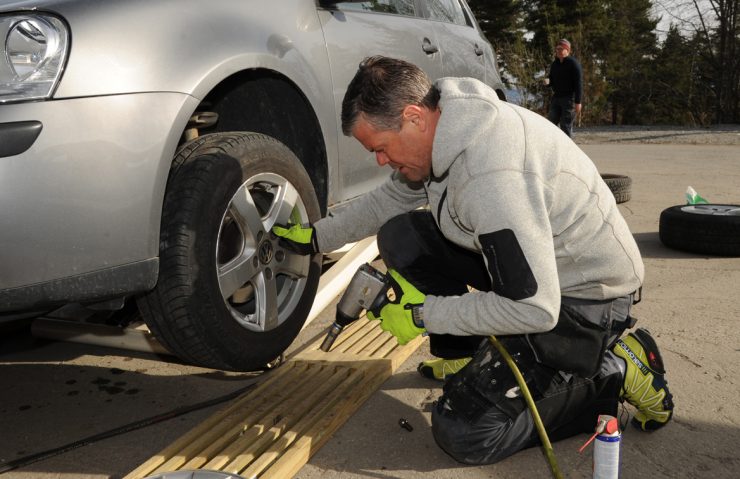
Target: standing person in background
x: 566, y: 81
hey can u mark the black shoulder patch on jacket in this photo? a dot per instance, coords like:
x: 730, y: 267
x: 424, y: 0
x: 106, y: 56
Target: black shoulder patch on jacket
x: 512, y: 277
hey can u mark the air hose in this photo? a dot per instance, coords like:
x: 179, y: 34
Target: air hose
x: 532, y: 407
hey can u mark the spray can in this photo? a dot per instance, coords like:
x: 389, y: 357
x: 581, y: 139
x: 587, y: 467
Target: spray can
x: 606, y: 448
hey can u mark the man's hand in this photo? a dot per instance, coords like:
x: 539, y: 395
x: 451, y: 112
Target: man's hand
x: 297, y: 238
x: 397, y: 318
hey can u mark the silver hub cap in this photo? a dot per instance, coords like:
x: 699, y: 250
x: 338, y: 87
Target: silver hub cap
x: 260, y: 282
x: 715, y: 210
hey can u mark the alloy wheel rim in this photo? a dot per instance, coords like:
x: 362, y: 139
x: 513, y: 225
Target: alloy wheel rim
x: 714, y: 210
x: 260, y: 282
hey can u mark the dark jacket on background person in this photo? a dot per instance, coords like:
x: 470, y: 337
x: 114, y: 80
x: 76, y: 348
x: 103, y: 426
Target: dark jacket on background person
x: 565, y: 79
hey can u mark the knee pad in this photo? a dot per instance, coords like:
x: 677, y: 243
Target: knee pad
x: 490, y: 439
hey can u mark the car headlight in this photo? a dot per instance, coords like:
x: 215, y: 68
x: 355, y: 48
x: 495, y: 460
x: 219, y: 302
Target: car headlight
x: 34, y: 49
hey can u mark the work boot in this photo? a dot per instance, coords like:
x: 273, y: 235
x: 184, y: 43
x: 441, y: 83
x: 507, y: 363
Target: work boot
x: 440, y: 368
x: 644, y: 385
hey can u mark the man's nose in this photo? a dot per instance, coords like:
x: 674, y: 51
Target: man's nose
x: 381, y: 158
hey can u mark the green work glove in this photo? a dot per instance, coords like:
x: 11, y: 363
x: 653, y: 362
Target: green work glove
x: 398, y: 318
x: 297, y: 238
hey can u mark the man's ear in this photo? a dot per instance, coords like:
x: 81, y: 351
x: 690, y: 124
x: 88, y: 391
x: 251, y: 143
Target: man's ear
x: 415, y: 114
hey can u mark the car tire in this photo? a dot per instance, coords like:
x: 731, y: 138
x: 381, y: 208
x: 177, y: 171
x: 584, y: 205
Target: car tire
x: 228, y: 296
x: 704, y: 228
x: 620, y: 186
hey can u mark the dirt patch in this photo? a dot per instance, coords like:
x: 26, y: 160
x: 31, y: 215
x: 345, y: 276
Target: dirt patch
x: 714, y: 135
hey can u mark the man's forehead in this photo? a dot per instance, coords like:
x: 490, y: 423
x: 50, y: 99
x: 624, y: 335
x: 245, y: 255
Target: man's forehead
x: 367, y: 134
x: 362, y: 128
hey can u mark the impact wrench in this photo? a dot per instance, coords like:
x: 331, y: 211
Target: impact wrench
x: 368, y: 290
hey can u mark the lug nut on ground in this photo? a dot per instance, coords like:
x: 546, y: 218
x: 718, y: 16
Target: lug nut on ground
x: 405, y: 424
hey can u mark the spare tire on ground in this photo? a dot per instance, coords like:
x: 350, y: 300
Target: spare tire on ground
x: 704, y: 228
x: 620, y: 185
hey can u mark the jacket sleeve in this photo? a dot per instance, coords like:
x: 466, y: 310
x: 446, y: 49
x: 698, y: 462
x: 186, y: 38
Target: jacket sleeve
x: 507, y: 215
x: 577, y: 81
x: 364, y: 216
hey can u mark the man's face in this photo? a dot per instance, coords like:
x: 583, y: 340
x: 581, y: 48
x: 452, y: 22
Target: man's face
x: 408, y: 150
x: 561, y: 51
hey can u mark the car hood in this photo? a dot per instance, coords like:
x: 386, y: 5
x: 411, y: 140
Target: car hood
x: 14, y: 6
x: 180, y: 46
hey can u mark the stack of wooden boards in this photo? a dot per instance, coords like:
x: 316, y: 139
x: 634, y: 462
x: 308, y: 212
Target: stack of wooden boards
x: 273, y: 430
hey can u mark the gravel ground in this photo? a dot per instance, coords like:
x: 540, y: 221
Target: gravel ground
x: 713, y: 135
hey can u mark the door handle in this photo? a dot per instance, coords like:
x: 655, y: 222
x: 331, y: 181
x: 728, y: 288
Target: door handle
x: 478, y: 50
x: 428, y: 47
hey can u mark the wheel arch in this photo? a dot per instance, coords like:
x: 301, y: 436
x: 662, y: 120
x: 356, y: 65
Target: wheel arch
x: 260, y: 100
x: 268, y: 102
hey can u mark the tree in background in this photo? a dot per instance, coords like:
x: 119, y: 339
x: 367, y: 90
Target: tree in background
x: 712, y: 29
x: 721, y: 50
x: 526, y: 75
x: 677, y: 90
x: 629, y: 57
x: 630, y: 77
x: 502, y: 23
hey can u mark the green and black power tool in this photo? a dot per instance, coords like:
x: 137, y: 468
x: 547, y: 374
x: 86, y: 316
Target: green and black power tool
x: 367, y: 290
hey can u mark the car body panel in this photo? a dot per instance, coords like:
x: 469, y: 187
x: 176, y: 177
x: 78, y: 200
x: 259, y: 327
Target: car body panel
x: 461, y: 43
x: 61, y: 222
x: 86, y: 195
x: 195, y: 52
x: 374, y: 33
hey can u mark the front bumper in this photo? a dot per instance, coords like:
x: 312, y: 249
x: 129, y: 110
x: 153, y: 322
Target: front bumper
x: 84, y: 199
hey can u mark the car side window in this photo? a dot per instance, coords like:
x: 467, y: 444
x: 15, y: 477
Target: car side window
x: 449, y: 11
x: 397, y: 7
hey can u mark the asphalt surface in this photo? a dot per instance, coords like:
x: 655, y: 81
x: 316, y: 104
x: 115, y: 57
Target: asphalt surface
x: 56, y: 393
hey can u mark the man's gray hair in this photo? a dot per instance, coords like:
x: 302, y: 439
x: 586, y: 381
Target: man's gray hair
x: 381, y: 89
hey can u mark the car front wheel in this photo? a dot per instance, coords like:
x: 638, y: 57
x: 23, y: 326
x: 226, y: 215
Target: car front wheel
x: 228, y: 296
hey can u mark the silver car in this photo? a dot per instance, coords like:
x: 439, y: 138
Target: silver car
x: 147, y: 148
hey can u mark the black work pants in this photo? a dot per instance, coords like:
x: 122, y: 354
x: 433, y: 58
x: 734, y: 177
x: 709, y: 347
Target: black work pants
x: 482, y: 417
x: 562, y: 113
x: 414, y: 246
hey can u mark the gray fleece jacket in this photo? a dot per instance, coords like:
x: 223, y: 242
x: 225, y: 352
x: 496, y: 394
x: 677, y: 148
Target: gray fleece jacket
x: 513, y: 187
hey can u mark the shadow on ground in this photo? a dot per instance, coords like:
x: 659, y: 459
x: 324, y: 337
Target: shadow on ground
x: 55, y: 395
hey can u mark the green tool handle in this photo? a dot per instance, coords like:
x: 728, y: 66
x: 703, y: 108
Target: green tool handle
x: 532, y: 408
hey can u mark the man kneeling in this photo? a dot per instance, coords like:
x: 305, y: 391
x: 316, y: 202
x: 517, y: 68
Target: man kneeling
x: 522, y: 239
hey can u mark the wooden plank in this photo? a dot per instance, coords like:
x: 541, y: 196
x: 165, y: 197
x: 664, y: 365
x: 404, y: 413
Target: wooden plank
x: 355, y: 383
x: 346, y: 335
x: 273, y: 429
x: 244, y: 449
x: 359, y: 346
x: 377, y: 343
x: 221, y: 419
x: 348, y: 400
x: 366, y: 327
x: 254, y: 421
